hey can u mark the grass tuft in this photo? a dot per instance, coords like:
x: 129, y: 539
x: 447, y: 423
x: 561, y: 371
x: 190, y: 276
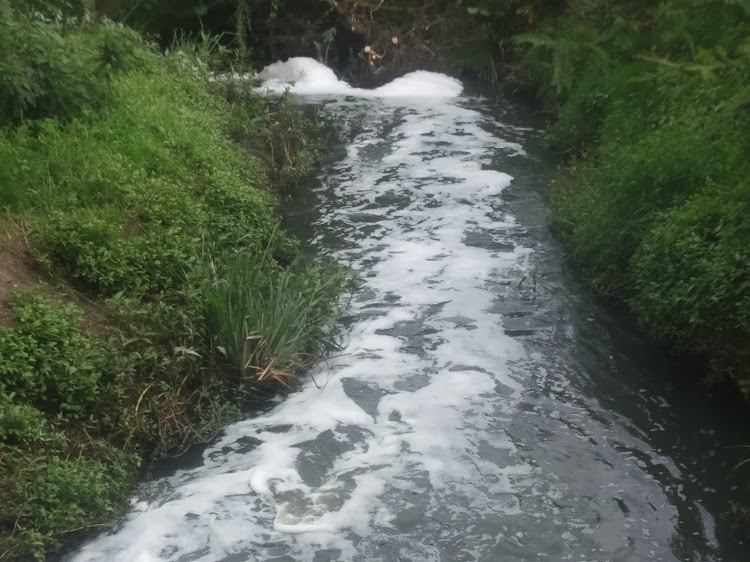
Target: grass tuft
x: 271, y: 323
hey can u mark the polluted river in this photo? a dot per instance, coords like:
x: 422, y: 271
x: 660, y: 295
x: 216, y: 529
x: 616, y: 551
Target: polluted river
x: 482, y: 406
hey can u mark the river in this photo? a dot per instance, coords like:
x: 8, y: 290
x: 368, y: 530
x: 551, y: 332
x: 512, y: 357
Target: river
x: 483, y: 407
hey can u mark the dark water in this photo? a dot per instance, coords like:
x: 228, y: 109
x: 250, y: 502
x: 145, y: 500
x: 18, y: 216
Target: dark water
x: 484, y: 407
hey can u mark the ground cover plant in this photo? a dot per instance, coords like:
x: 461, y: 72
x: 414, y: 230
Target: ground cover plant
x: 139, y: 189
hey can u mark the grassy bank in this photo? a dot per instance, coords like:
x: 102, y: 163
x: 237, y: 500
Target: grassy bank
x: 653, y: 198
x: 142, y: 196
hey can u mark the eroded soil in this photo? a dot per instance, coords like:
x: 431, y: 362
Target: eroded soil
x: 20, y: 271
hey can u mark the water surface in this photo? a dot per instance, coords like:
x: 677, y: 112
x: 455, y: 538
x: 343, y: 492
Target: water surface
x: 482, y: 409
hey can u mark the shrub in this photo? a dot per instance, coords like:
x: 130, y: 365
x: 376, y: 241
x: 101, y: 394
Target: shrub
x: 97, y: 250
x: 651, y: 199
x: 47, y: 70
x: 48, y: 362
x: 49, y: 496
x: 157, y: 184
x: 617, y: 199
x: 20, y: 423
x: 692, y: 288
x: 602, y: 107
x: 57, y: 398
x: 275, y: 130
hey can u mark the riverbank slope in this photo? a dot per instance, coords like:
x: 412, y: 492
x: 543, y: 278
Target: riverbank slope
x: 148, y: 290
x: 653, y: 197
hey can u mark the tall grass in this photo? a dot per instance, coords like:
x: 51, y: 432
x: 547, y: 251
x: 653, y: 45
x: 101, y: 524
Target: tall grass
x: 270, y: 323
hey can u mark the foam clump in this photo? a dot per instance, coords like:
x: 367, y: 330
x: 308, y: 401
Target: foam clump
x: 302, y: 76
x: 421, y: 84
x: 305, y: 76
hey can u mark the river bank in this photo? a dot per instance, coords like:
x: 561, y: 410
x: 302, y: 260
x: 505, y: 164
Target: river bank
x: 148, y: 290
x: 653, y: 197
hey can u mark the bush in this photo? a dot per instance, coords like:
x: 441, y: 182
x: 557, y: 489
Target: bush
x: 47, y: 70
x: 97, y: 250
x: 275, y: 129
x: 48, y: 362
x: 157, y: 185
x: 621, y: 195
x: 692, y: 288
x: 601, y: 107
x: 57, y: 399
x: 50, y: 496
x: 20, y: 423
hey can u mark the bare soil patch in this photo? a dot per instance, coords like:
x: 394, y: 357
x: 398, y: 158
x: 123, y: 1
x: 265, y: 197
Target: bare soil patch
x: 19, y: 271
x: 17, y: 267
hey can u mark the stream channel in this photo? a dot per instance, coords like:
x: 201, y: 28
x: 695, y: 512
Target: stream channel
x: 483, y: 408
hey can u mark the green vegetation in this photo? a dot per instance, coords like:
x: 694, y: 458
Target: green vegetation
x: 271, y: 322
x: 147, y: 191
x: 652, y: 110
x: 653, y: 199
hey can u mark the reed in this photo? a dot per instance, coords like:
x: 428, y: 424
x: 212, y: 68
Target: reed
x: 270, y: 323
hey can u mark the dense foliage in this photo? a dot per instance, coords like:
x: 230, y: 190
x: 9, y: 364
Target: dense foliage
x: 367, y: 41
x: 147, y: 191
x: 653, y: 113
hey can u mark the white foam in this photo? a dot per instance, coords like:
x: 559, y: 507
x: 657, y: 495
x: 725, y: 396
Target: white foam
x: 421, y: 84
x: 303, y: 76
x: 306, y: 76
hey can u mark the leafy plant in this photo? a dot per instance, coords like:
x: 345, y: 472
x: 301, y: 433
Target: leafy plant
x: 692, y: 287
x: 270, y: 323
x: 275, y: 130
x: 56, y: 393
x: 48, y: 72
x: 580, y: 47
x: 48, y: 362
x: 50, y: 496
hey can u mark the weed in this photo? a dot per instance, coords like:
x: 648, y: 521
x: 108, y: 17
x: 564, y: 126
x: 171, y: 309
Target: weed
x: 47, y: 362
x: 692, y: 286
x: 46, y: 72
x: 270, y: 323
x: 275, y: 130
